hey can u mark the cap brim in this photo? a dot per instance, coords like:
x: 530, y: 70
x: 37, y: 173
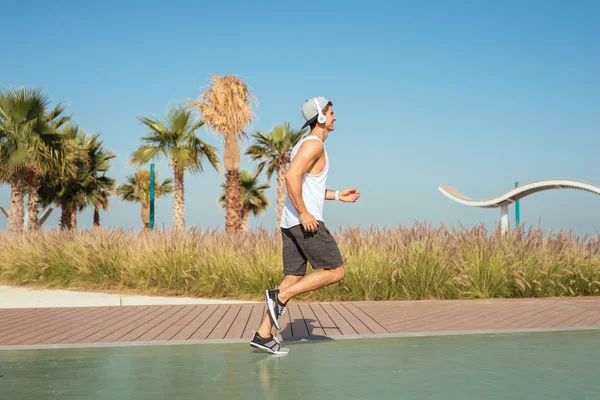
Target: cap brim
x: 310, y: 121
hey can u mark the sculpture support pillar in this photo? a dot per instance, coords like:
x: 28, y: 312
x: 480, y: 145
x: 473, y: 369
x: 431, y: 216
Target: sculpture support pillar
x: 504, y: 223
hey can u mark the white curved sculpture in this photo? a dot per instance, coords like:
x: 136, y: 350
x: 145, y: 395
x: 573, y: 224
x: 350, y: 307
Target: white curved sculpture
x: 506, y: 198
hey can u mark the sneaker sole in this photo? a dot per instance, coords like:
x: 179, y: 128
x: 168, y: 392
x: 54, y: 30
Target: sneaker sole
x: 271, y: 308
x: 268, y: 350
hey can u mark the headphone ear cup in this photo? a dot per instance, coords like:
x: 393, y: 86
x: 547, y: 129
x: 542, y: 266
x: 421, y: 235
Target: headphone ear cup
x: 321, y: 118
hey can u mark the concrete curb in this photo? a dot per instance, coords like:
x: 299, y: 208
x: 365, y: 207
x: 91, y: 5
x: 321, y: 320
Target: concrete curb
x: 293, y: 340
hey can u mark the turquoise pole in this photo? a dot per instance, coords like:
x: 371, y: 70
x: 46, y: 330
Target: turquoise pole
x: 151, y: 197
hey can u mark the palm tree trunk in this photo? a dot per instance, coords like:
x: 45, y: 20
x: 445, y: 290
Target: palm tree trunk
x: 33, y: 204
x: 74, y: 218
x: 146, y: 216
x: 97, y: 217
x: 65, y: 217
x: 16, y: 217
x: 245, y: 221
x: 232, y: 201
x: 281, y: 191
x: 178, y: 201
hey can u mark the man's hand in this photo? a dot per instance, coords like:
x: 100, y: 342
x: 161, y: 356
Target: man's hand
x: 349, y: 195
x: 309, y: 223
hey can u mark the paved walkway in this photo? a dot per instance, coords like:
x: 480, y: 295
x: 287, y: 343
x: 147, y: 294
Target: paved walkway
x: 155, y: 324
x: 32, y: 297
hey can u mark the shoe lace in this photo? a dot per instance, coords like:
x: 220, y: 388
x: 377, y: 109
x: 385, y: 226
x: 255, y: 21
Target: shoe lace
x: 281, y: 310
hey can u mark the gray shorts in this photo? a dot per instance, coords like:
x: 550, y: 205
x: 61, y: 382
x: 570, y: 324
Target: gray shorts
x: 318, y: 248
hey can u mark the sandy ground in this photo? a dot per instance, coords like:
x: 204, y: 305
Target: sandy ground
x: 19, y: 297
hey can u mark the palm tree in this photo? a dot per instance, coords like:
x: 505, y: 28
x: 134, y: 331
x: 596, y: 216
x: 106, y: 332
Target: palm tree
x: 226, y: 108
x: 176, y: 139
x: 137, y: 189
x: 30, y: 146
x: 253, y: 197
x: 62, y: 162
x: 99, y: 196
x: 273, y: 152
x: 88, y: 186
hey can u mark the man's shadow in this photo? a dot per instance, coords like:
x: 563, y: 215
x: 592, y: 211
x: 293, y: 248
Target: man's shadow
x: 311, y: 331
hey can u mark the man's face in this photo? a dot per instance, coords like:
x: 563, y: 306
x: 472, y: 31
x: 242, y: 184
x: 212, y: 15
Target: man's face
x: 330, y: 122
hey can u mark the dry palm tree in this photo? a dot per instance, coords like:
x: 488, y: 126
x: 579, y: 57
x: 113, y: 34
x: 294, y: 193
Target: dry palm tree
x: 273, y: 152
x: 226, y: 109
x: 253, y: 197
x: 137, y: 189
x: 176, y: 139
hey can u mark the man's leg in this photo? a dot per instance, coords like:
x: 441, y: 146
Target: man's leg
x: 316, y: 280
x: 265, y: 328
x: 321, y: 251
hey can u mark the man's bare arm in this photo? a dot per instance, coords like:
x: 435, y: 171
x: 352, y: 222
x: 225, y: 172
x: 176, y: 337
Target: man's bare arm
x: 329, y: 194
x: 305, y: 159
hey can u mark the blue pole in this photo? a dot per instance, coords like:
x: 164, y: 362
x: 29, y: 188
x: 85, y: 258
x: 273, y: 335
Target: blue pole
x: 517, y: 209
x: 151, y: 197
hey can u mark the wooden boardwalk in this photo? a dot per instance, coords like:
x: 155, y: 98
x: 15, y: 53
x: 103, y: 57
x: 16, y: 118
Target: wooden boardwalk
x: 93, y: 325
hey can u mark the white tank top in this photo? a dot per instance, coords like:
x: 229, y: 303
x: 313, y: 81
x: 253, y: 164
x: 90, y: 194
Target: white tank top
x: 313, y: 191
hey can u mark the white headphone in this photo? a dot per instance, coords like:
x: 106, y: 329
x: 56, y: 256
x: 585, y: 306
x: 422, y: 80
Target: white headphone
x: 321, y: 118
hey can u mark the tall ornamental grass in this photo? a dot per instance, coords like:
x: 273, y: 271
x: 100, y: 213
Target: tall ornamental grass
x: 405, y: 262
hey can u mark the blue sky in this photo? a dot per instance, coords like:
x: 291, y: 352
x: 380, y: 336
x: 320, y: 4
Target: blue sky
x: 471, y: 94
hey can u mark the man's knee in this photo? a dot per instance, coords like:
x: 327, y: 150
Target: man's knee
x: 339, y: 273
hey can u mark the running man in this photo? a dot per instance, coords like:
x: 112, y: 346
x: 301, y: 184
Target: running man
x: 304, y: 234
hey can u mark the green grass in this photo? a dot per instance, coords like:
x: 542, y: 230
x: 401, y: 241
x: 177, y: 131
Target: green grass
x: 417, y: 262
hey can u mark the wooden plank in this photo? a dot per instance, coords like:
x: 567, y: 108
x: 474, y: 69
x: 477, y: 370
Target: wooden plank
x: 84, y: 323
x: 179, y: 325
x: 210, y: 324
x: 23, y: 315
x: 311, y: 320
x: 501, y: 316
x: 453, y: 320
x: 401, y: 323
x: 366, y: 319
x: 525, y: 317
x: 559, y: 319
x: 101, y: 324
x: 239, y: 325
x: 256, y: 316
x: 35, y: 328
x: 147, y: 325
x: 589, y: 321
x: 339, y: 321
x: 225, y: 323
x: 196, y: 323
x: 107, y: 329
x: 19, y: 319
x: 582, y: 317
x: 37, y: 318
x: 325, y: 321
x: 299, y: 328
x: 387, y: 314
x: 170, y: 320
x: 354, y: 322
x: 69, y: 326
x: 130, y: 331
x: 9, y: 314
x: 120, y: 314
